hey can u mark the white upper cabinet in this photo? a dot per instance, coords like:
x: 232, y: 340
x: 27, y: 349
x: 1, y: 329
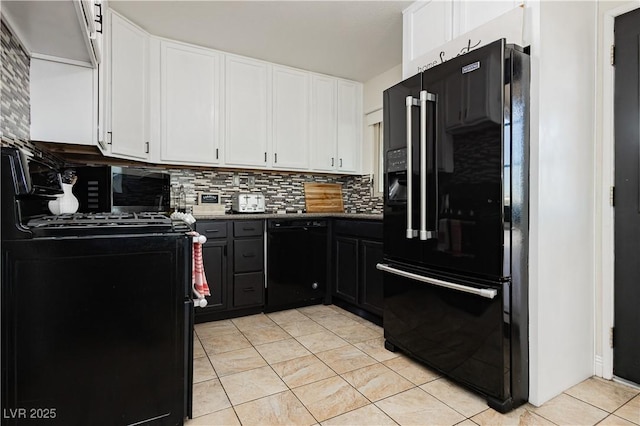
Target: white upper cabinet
x: 128, y: 129
x: 291, y: 110
x: 425, y: 26
x: 247, y: 112
x: 349, y: 123
x: 63, y: 102
x: 471, y: 14
x: 336, y: 125
x: 190, y: 94
x: 428, y: 25
x: 323, y: 123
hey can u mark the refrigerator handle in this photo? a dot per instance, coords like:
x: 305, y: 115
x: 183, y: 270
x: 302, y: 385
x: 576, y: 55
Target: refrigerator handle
x: 425, y: 234
x: 409, y: 104
x: 423, y: 165
x: 488, y: 293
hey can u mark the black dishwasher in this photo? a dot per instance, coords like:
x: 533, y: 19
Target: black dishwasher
x: 297, y: 263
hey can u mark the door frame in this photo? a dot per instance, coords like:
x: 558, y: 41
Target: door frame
x: 603, y: 363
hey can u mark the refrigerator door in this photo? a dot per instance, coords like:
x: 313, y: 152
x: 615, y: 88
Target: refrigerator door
x: 457, y: 175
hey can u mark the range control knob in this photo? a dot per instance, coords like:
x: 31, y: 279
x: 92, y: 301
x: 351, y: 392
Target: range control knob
x: 314, y: 286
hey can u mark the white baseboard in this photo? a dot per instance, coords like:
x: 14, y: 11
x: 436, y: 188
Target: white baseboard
x: 598, y: 366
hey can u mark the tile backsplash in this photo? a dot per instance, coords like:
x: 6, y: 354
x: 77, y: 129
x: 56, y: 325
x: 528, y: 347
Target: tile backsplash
x: 282, y: 190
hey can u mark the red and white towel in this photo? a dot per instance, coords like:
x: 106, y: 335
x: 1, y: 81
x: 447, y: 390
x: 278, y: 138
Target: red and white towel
x: 200, y: 285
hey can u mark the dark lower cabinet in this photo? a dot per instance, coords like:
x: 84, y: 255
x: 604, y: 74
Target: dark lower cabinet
x: 371, y: 294
x: 357, y: 248
x: 216, y: 265
x: 214, y: 259
x: 233, y: 259
x: 234, y: 263
x: 346, y: 265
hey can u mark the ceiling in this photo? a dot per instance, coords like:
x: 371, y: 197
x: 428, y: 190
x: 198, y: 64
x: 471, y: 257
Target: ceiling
x: 350, y: 39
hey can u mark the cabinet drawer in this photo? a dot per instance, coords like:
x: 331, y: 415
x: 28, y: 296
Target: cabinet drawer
x: 247, y: 289
x: 360, y: 228
x: 212, y: 228
x: 248, y: 255
x: 247, y: 228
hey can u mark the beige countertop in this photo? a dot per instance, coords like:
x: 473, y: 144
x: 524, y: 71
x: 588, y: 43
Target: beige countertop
x: 254, y: 216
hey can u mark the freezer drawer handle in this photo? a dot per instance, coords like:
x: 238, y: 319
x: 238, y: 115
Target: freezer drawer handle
x: 489, y: 293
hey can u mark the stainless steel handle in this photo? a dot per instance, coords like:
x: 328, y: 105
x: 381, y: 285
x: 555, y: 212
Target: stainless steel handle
x: 423, y: 165
x: 409, y: 104
x: 488, y: 293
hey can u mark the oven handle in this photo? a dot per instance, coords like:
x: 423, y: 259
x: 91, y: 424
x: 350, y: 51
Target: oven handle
x: 488, y: 293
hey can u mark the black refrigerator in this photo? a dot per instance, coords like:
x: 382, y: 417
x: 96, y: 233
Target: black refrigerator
x: 456, y: 220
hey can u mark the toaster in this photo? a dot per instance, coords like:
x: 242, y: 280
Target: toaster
x: 247, y: 202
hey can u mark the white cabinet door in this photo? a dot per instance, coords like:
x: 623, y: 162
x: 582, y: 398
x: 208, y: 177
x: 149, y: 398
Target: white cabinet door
x: 349, y: 126
x: 190, y: 104
x: 290, y: 100
x: 247, y: 112
x: 426, y: 25
x: 63, y: 102
x: 129, y: 91
x: 323, y: 123
x: 470, y: 14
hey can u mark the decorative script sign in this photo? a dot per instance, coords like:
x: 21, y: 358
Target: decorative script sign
x: 508, y: 26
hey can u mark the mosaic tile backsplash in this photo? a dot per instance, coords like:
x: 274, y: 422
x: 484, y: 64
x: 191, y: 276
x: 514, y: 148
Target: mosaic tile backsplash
x: 282, y: 191
x: 14, y: 120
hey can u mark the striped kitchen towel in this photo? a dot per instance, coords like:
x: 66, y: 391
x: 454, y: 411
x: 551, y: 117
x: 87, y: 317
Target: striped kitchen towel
x: 200, y: 285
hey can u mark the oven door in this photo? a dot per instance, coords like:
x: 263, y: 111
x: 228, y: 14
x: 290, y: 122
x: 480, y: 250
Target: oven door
x: 84, y: 314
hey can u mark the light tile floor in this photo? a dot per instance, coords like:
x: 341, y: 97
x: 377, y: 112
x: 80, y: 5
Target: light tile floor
x: 324, y: 365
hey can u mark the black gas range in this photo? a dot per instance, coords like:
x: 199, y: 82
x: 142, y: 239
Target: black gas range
x: 91, y: 301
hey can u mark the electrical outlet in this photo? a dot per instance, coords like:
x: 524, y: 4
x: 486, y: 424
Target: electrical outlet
x: 251, y: 181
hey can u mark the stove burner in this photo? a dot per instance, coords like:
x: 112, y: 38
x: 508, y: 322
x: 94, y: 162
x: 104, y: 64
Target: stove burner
x: 102, y: 223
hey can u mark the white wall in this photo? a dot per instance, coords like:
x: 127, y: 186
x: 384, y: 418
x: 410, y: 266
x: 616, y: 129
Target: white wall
x: 373, y: 88
x: 372, y: 104
x: 562, y: 35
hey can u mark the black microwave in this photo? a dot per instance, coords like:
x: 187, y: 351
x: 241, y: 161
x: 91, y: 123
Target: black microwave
x: 122, y: 189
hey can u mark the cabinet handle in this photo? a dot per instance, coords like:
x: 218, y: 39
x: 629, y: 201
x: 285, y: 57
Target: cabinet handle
x: 265, y: 157
x: 332, y: 161
x: 216, y: 153
x: 110, y: 138
x: 248, y: 255
x: 341, y: 162
x: 99, y: 16
x: 249, y: 289
x: 212, y: 230
x: 248, y: 228
x: 146, y: 149
x: 275, y: 157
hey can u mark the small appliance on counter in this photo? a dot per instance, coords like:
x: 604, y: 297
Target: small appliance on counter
x: 208, y: 204
x: 247, y: 202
